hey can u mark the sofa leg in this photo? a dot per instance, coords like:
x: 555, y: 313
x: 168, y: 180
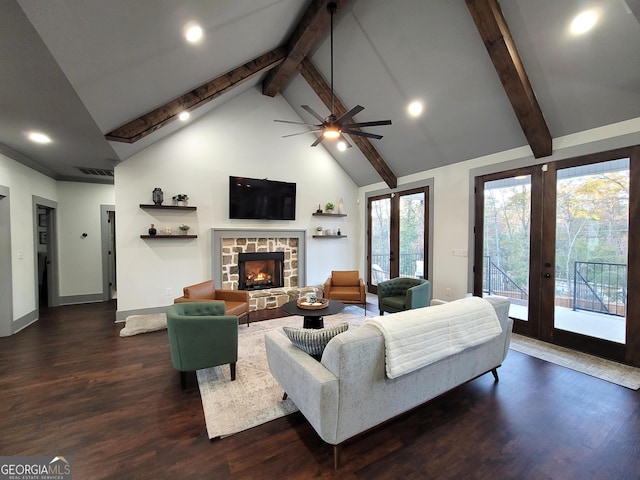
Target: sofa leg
x: 284, y: 397
x: 233, y: 371
x: 495, y: 375
x: 183, y: 380
x: 337, y: 450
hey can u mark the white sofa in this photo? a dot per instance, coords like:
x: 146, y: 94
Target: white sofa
x: 349, y: 391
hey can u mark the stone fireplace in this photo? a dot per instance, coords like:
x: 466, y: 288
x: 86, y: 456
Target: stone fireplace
x: 228, y: 244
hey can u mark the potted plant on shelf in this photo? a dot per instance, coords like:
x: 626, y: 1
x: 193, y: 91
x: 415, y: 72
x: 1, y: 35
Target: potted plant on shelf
x: 318, y: 230
x: 329, y: 207
x: 184, y: 229
x: 180, y: 199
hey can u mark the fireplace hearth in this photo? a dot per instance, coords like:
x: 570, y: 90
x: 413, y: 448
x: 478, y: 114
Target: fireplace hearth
x: 261, y: 270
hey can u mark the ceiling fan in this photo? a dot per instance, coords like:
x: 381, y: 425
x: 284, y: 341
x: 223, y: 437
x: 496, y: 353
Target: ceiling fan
x: 333, y: 127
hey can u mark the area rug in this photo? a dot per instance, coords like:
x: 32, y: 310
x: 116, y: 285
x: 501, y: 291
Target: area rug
x: 613, y: 372
x: 254, y: 397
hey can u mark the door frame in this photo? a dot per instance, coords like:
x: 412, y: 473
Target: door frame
x: 530, y: 327
x: 6, y: 279
x: 548, y: 333
x: 427, y: 184
x: 541, y: 312
x: 108, y: 250
x: 53, y: 277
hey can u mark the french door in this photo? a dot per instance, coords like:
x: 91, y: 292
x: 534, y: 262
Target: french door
x: 555, y: 240
x: 397, y: 236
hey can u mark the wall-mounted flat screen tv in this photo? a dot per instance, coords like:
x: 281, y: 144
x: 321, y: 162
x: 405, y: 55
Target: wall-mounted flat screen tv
x: 261, y: 199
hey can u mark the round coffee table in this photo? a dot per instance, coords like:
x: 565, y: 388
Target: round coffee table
x: 313, y: 318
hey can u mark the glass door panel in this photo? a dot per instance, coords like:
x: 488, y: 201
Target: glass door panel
x: 506, y: 241
x: 380, y: 240
x: 592, y: 233
x: 412, y: 234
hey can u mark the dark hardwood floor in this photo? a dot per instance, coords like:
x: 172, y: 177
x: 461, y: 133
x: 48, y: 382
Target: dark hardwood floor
x: 71, y: 386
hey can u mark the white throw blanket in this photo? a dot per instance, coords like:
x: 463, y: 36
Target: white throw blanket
x: 415, y: 338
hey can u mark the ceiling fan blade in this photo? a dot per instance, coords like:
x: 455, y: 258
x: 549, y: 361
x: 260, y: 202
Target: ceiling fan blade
x: 298, y: 123
x: 318, y: 140
x: 312, y: 112
x: 368, y: 124
x: 354, y: 111
x: 301, y: 133
x: 362, y: 134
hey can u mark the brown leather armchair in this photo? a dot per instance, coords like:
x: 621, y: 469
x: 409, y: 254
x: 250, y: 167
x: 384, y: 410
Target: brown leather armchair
x: 346, y: 286
x: 236, y: 302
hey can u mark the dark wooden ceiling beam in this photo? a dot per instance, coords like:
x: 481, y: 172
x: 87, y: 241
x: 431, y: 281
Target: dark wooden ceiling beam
x: 310, y: 30
x: 150, y: 122
x: 497, y: 38
x: 323, y: 90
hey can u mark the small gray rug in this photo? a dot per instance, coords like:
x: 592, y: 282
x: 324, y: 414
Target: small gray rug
x: 607, y: 370
x: 254, y: 397
x: 135, y: 324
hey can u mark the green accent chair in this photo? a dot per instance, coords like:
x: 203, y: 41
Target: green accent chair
x: 201, y: 336
x: 403, y: 293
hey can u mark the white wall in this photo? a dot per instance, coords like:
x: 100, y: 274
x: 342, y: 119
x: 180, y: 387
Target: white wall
x: 23, y: 183
x: 80, y: 258
x: 239, y: 138
x: 453, y: 202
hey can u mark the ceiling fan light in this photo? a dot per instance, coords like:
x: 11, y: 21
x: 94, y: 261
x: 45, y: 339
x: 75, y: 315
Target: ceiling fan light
x: 331, y: 133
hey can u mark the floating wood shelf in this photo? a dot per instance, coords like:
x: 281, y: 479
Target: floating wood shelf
x: 329, y: 236
x: 167, y: 207
x: 316, y: 214
x: 176, y: 237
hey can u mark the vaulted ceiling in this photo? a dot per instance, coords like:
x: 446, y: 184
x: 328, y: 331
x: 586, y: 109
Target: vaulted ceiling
x: 106, y: 79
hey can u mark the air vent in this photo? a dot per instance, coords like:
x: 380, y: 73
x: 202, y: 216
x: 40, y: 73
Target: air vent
x: 100, y: 172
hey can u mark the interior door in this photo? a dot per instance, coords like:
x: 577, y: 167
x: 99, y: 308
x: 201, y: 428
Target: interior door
x: 397, y: 230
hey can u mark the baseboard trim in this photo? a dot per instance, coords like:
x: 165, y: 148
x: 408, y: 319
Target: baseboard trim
x: 121, y: 315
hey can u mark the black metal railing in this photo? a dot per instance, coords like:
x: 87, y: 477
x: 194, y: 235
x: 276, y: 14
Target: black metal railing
x: 600, y: 287
x: 498, y: 282
x: 409, y: 266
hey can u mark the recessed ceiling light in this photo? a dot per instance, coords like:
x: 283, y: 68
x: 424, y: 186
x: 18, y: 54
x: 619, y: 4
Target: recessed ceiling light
x: 342, y: 146
x: 583, y: 22
x: 415, y: 108
x: 38, y: 137
x: 184, y: 116
x: 193, y: 33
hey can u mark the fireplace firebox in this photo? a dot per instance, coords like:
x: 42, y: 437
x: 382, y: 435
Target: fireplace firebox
x: 260, y: 270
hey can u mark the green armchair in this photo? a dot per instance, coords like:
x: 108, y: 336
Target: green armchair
x: 403, y: 293
x: 201, y: 336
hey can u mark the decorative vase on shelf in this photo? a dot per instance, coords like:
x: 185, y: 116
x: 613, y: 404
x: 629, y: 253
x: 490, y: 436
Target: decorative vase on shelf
x: 152, y: 230
x: 158, y: 196
x: 340, y: 206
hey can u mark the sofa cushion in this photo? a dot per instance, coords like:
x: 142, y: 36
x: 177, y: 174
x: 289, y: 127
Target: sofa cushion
x: 351, y: 294
x: 313, y: 341
x: 395, y: 302
x: 347, y: 278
